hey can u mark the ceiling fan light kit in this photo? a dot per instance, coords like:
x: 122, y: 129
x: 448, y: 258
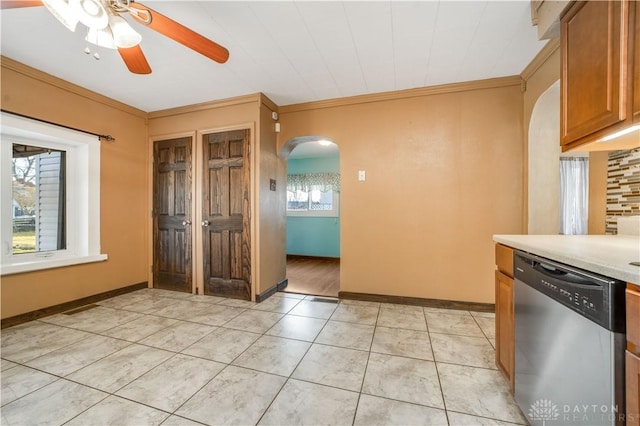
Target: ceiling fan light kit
x: 63, y: 13
x: 106, y: 28
x: 91, y: 13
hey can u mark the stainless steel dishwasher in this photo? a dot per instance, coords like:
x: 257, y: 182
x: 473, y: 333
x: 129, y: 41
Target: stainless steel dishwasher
x: 569, y: 344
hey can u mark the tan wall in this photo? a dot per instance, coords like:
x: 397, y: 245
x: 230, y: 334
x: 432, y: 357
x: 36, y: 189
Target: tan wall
x: 598, y: 162
x: 539, y: 75
x: 272, y: 223
x: 444, y: 173
x: 124, y: 207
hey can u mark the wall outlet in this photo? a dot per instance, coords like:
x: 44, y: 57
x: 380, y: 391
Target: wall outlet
x: 362, y: 175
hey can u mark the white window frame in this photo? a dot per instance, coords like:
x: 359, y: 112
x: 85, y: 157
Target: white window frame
x: 334, y: 212
x: 82, y: 194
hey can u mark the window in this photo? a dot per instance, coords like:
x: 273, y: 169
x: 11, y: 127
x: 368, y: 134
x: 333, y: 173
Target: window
x: 49, y: 195
x: 314, y: 200
x: 38, y: 202
x: 313, y: 194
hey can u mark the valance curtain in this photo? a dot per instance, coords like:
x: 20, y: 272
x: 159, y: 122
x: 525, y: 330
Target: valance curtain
x: 574, y: 195
x: 314, y: 181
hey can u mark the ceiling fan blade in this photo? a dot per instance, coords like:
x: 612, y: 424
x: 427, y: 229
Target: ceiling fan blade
x: 14, y: 4
x: 181, y: 34
x: 135, y: 60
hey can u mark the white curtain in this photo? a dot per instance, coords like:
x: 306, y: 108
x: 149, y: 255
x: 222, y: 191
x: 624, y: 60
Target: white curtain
x: 574, y: 195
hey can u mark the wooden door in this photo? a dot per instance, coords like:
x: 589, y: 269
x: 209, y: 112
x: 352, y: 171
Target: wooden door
x: 172, y: 246
x: 632, y: 376
x: 226, y: 215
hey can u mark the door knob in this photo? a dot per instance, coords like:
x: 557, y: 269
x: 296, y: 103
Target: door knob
x: 186, y: 222
x: 205, y: 223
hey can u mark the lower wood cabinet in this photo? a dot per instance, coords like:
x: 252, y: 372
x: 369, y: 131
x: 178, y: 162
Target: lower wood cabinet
x: 632, y: 356
x: 505, y: 337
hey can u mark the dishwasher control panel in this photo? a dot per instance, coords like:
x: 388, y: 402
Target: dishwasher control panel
x: 598, y: 298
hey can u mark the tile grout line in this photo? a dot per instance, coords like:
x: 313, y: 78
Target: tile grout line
x: 435, y: 365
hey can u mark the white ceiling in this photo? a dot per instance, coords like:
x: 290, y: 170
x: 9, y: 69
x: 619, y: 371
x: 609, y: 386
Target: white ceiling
x: 292, y: 51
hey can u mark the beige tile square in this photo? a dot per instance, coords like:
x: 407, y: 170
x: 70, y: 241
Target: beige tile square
x: 373, y: 410
x: 237, y: 303
x: 215, y: 314
x: 222, y: 345
x: 20, y: 381
x: 477, y: 314
x: 274, y: 355
x: 27, y: 341
x: 290, y: 295
x: 356, y: 313
x: 277, y: 304
x: 299, y: 328
x: 333, y: 366
x: 308, y: 308
x: 77, y: 355
x: 403, y: 379
x: 236, y: 396
x: 5, y: 365
x: 178, y: 336
x: 346, y: 335
x: 139, y: 328
x: 302, y: 403
x: 254, y: 321
x: 488, y: 326
x: 401, y: 342
x: 54, y: 404
x: 180, y: 421
x: 453, y: 324
x: 120, y: 368
x: 149, y: 305
x: 171, y: 383
x: 479, y: 392
x: 460, y: 419
x: 117, y: 411
x: 464, y: 350
x: 446, y: 311
x: 410, y: 317
x: 94, y: 320
x: 360, y: 303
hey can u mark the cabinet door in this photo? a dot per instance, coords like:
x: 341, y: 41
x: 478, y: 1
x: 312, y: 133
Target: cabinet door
x: 505, y: 339
x: 633, y: 320
x: 632, y: 367
x: 593, y: 82
x: 635, y: 27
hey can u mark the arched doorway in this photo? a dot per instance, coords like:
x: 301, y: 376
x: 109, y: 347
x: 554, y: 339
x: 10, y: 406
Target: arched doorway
x: 544, y: 163
x: 313, y: 215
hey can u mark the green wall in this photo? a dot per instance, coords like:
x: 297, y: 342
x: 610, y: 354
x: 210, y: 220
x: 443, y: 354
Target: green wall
x: 310, y: 235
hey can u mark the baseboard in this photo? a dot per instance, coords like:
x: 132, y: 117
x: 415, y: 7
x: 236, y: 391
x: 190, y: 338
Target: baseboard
x: 66, y: 306
x: 308, y: 257
x: 430, y: 303
x: 271, y: 291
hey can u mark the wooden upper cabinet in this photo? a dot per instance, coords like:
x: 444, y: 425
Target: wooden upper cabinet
x: 596, y: 79
x: 635, y: 13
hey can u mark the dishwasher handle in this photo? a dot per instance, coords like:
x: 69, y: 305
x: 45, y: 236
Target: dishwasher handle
x: 566, y: 276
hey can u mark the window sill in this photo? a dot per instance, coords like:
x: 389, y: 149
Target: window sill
x: 38, y: 265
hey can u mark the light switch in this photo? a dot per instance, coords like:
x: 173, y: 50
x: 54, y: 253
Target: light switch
x: 362, y: 176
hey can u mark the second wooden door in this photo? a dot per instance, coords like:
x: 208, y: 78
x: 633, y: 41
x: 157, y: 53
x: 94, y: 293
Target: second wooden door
x: 226, y: 214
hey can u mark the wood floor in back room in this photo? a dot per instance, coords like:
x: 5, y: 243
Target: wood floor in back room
x: 318, y: 276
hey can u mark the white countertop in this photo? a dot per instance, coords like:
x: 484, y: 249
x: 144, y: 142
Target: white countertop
x: 608, y: 255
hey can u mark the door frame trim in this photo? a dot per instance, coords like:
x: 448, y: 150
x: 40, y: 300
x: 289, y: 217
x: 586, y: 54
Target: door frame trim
x: 253, y: 208
x: 151, y: 142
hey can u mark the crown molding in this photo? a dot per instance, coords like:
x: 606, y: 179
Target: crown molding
x: 256, y: 98
x: 404, y: 94
x: 542, y: 57
x: 19, y: 67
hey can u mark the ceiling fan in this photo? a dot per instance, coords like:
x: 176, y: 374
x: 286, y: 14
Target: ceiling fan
x: 107, y: 28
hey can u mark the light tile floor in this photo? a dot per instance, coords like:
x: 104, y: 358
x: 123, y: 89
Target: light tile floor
x: 156, y: 357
